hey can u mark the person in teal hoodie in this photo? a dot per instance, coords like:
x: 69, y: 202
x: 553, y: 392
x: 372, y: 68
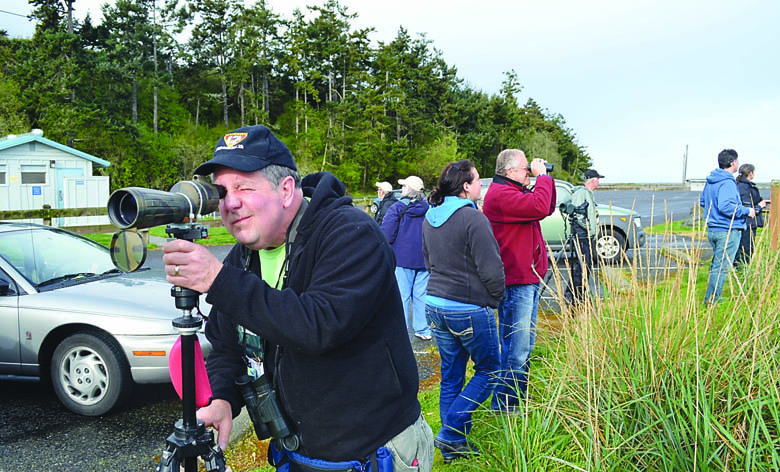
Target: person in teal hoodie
x: 465, y: 285
x: 725, y: 215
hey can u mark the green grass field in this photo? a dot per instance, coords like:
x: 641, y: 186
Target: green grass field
x: 676, y: 227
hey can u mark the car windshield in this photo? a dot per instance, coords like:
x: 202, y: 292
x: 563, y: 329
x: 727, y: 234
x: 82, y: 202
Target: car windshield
x: 46, y: 256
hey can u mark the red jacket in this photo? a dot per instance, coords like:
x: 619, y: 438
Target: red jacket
x: 514, y: 212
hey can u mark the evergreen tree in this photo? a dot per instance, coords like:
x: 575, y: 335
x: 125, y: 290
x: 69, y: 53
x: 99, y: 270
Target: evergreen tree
x: 125, y: 91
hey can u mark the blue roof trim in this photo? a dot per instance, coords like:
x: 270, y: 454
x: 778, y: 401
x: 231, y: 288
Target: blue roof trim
x: 13, y: 142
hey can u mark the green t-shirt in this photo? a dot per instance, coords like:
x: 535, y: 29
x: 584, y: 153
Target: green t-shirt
x: 271, y: 266
x: 271, y: 262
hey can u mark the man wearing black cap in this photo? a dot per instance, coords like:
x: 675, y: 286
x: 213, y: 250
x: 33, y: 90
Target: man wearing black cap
x: 307, y: 297
x: 585, y: 228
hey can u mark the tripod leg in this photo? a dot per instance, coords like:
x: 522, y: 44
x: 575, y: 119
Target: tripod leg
x: 168, y: 462
x: 214, y: 460
x: 569, y: 291
x: 549, y: 274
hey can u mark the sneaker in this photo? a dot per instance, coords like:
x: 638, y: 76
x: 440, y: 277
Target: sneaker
x: 451, y: 451
x: 424, y: 337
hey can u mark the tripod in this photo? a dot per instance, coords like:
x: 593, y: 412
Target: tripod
x: 190, y: 438
x: 571, y: 241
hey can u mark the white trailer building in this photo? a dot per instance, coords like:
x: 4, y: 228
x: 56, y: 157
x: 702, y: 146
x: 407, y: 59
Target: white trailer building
x: 35, y: 171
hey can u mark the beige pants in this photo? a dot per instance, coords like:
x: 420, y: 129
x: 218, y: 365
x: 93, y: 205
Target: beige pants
x: 413, y: 448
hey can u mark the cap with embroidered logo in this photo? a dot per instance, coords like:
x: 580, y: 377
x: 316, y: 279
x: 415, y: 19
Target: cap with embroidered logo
x: 248, y: 149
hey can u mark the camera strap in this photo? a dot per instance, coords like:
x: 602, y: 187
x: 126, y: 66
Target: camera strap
x: 251, y: 343
x: 292, y: 232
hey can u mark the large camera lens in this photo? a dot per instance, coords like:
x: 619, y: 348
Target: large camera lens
x: 138, y: 207
x: 126, y: 210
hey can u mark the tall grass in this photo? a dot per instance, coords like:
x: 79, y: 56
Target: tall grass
x: 648, y: 378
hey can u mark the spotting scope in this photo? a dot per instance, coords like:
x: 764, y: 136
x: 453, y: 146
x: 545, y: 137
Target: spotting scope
x: 139, y: 207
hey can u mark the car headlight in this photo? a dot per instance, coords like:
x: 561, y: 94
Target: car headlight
x: 638, y: 222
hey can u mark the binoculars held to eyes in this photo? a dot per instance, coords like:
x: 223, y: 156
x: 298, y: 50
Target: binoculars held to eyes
x: 547, y: 166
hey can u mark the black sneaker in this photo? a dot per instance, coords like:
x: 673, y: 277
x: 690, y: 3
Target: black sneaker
x: 451, y: 451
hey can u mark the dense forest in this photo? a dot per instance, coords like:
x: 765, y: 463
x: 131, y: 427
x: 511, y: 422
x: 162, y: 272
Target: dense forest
x: 129, y: 90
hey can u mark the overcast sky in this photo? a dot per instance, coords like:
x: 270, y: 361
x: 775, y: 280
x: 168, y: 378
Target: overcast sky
x: 636, y: 80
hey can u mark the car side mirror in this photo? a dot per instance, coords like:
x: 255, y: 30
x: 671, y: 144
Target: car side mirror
x: 5, y: 287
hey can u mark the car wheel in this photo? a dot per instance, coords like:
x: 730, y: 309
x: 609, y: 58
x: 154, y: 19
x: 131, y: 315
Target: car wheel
x: 89, y: 374
x: 610, y: 245
x: 374, y: 208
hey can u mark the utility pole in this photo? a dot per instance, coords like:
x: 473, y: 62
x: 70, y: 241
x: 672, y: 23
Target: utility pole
x: 685, y: 165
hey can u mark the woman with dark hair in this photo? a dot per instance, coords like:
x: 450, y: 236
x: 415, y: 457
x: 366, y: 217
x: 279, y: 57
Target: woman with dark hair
x: 465, y: 285
x: 748, y: 193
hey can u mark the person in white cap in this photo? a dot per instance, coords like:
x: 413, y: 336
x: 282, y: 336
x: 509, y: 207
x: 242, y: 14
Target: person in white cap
x: 386, y: 199
x: 402, y: 226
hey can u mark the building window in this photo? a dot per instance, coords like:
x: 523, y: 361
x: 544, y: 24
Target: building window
x: 2, y: 174
x: 33, y: 174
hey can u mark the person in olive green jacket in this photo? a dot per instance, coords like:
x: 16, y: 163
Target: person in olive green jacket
x: 585, y: 228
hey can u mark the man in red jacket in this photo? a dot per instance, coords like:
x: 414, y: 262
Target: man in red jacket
x: 514, y: 211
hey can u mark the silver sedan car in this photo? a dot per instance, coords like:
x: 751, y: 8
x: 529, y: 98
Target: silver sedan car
x: 68, y: 317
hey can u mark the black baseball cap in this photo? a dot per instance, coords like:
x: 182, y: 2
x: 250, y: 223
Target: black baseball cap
x: 248, y: 149
x: 592, y: 174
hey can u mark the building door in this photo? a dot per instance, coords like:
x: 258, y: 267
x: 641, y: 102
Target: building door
x: 61, y: 173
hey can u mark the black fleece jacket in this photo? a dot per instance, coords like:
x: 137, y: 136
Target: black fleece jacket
x: 336, y: 340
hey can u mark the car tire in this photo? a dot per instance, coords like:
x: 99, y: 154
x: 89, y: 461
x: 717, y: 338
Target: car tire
x: 374, y: 208
x: 90, y: 374
x: 610, y: 245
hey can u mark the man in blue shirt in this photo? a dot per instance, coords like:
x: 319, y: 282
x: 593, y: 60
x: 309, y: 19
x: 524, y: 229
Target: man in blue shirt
x: 725, y: 216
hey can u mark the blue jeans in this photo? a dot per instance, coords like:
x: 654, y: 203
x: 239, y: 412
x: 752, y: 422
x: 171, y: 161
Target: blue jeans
x: 459, y: 335
x: 413, y: 283
x: 517, y: 330
x: 724, y: 248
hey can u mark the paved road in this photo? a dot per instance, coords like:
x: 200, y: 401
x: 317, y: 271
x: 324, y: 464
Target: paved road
x: 39, y: 434
x: 653, y: 206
